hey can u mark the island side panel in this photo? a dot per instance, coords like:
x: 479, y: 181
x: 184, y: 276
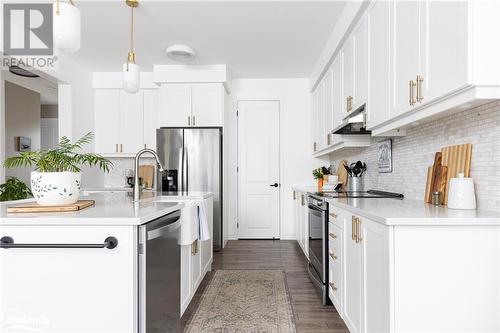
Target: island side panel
x: 96, y: 287
x: 444, y: 272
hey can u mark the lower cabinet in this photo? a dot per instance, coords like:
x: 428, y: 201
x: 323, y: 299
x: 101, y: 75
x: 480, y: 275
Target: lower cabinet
x: 301, y: 221
x: 335, y: 259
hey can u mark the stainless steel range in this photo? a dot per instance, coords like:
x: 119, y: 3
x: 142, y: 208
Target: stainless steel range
x: 317, y: 208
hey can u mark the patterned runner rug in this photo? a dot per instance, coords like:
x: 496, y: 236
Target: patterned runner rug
x: 244, y: 301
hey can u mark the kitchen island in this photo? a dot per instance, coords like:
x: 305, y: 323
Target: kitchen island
x: 404, y: 265
x: 91, y: 270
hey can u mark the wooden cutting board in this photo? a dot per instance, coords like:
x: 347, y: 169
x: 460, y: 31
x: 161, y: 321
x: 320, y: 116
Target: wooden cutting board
x: 33, y: 207
x: 458, y: 160
x: 147, y: 173
x: 439, y: 183
x: 428, y: 185
x: 432, y: 175
x: 342, y: 173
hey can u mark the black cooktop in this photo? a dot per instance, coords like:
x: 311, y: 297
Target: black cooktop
x: 361, y: 194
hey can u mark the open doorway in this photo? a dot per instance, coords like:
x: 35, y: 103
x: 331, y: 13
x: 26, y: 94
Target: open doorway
x: 31, y: 118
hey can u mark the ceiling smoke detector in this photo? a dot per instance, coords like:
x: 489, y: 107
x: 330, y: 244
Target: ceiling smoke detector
x: 180, y: 53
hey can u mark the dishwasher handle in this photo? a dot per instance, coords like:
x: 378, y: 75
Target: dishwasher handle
x: 7, y: 242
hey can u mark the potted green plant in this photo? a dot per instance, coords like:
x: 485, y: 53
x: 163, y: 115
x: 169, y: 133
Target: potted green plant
x: 56, y: 179
x: 14, y: 189
x: 318, y: 175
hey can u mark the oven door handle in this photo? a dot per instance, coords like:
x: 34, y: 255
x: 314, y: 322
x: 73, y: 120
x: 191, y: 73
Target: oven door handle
x: 316, y: 208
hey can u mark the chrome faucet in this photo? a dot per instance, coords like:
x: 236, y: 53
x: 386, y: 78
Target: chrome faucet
x: 137, y: 186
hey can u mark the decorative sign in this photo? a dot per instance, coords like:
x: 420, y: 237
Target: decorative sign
x: 384, y: 156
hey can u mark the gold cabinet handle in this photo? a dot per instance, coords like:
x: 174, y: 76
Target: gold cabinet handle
x: 194, y: 120
x: 332, y: 235
x: 333, y: 215
x: 353, y: 228
x: 334, y: 257
x: 302, y: 200
x: 349, y: 103
x: 314, y: 146
x: 332, y: 285
x: 359, y: 239
x: 116, y: 148
x: 189, y: 120
x: 412, y: 86
x: 420, y: 96
x: 328, y: 139
x: 121, y: 148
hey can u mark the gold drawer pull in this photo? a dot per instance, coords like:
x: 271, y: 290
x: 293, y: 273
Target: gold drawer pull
x: 332, y: 235
x: 332, y: 285
x: 334, y: 257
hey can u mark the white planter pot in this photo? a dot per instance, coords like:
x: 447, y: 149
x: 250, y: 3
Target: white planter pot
x: 55, y: 188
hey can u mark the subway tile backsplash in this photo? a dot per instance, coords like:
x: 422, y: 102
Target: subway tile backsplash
x: 413, y: 153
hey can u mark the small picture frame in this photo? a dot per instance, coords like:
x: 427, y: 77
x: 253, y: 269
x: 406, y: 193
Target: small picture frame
x: 384, y: 156
x: 23, y: 143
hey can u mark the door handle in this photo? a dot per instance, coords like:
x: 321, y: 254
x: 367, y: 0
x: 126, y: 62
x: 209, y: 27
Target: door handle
x: 274, y: 185
x: 419, y: 88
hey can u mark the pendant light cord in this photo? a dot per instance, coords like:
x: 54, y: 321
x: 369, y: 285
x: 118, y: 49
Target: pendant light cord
x: 57, y: 6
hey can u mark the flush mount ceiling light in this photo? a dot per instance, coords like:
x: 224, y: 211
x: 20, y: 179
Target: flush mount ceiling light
x: 66, y: 30
x: 130, y: 69
x: 21, y: 72
x: 180, y: 52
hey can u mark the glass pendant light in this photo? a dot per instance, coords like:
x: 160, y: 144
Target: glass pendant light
x: 130, y: 69
x: 67, y: 29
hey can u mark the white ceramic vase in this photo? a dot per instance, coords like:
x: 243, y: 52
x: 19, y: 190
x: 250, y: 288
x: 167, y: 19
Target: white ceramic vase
x: 55, y: 188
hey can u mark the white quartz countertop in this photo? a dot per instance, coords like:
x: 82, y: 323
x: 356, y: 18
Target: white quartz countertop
x: 195, y: 195
x: 409, y: 212
x: 116, y: 208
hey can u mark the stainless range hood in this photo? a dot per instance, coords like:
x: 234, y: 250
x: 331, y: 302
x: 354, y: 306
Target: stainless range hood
x: 353, y: 123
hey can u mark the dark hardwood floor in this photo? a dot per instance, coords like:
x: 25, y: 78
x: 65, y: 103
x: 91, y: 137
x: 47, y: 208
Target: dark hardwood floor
x: 310, y: 315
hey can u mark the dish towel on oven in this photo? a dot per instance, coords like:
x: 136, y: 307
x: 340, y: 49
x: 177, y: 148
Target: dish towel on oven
x: 204, y: 231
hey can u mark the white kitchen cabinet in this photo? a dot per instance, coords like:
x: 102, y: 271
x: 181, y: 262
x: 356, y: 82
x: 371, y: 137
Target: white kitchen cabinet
x: 107, y: 120
x: 125, y: 123
x: 353, y: 278
x: 360, y: 64
x: 328, y: 108
x: 378, y: 18
x: 347, y: 77
x: 406, y: 50
x: 131, y: 122
x: 301, y: 221
x: 338, y: 101
x: 150, y: 118
x: 336, y: 259
x: 196, y: 105
x: 208, y: 105
x: 444, y: 52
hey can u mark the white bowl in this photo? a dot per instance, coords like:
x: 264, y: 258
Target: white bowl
x: 55, y: 188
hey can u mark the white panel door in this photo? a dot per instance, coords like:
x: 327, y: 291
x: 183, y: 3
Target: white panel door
x: 175, y: 105
x: 352, y: 279
x: 132, y: 122
x: 207, y: 105
x: 150, y: 117
x: 379, y: 55
x: 360, y: 64
x: 107, y: 120
x: 328, y: 108
x: 258, y: 175
x: 444, y: 39
x: 406, y: 44
x: 49, y: 136
x: 347, y: 75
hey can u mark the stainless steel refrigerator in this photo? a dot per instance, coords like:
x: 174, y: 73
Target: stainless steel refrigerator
x: 193, y: 159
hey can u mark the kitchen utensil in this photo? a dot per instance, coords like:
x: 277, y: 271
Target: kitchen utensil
x: 437, y: 163
x: 428, y: 185
x: 342, y: 173
x: 349, y: 172
x: 437, y: 198
x: 461, y: 193
x: 33, y: 207
x: 439, y: 183
x: 458, y: 160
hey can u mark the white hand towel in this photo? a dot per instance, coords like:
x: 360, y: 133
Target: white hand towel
x: 189, y: 224
x: 203, y: 219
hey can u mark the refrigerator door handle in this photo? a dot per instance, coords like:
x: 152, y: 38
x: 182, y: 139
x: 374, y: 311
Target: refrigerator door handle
x: 180, y: 177
x: 185, y: 184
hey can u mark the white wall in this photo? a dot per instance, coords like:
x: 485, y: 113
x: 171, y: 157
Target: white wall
x: 22, y: 118
x: 295, y: 156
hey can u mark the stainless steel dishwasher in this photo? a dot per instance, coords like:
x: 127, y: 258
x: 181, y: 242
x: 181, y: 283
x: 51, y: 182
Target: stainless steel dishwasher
x: 159, y: 275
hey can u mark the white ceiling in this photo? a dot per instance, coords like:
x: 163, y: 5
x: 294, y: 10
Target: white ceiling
x: 46, y: 88
x: 259, y: 39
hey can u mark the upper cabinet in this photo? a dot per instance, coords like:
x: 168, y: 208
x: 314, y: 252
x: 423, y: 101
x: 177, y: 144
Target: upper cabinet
x: 198, y: 105
x: 348, y: 76
x: 360, y: 64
